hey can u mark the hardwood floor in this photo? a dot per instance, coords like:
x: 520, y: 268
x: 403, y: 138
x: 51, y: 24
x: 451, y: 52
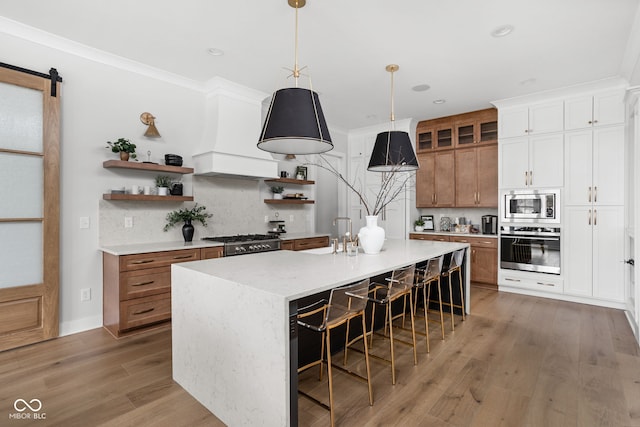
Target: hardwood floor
x: 516, y: 361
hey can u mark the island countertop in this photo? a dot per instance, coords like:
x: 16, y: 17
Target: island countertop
x: 293, y: 275
x: 234, y: 331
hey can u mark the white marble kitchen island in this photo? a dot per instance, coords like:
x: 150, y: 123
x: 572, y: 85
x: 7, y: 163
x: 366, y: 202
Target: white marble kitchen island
x: 232, y: 332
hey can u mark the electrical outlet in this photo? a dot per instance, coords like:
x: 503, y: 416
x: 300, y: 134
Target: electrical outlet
x: 290, y: 218
x: 266, y: 218
x: 84, y: 222
x: 128, y: 222
x: 85, y: 294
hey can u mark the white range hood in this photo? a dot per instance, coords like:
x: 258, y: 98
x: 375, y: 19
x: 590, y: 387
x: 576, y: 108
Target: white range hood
x: 233, y: 120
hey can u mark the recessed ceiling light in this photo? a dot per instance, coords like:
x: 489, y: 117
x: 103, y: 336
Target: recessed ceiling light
x: 421, y: 88
x: 527, y: 82
x: 503, y: 30
x: 439, y: 101
x: 214, y: 51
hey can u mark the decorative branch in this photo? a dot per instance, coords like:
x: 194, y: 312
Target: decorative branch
x: 391, y: 186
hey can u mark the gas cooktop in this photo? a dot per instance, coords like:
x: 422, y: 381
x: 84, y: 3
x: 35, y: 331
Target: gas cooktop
x: 238, y: 238
x: 242, y: 244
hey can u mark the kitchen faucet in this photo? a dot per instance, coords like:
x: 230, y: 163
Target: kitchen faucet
x: 348, y: 233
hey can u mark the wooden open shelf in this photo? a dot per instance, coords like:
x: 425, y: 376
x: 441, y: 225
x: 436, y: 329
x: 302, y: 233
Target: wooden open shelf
x: 143, y: 197
x: 291, y: 181
x: 289, y: 201
x: 146, y: 167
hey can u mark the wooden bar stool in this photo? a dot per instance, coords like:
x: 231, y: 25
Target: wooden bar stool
x: 345, y: 303
x: 455, y: 266
x: 425, y: 279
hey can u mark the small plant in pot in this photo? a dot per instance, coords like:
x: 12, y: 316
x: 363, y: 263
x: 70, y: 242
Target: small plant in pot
x: 419, y: 225
x: 187, y: 216
x: 277, y: 192
x: 124, y: 147
x: 163, y: 182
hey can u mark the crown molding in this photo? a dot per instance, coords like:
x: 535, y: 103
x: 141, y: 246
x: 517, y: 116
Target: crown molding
x: 34, y: 35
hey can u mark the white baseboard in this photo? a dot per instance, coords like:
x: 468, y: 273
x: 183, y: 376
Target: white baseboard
x: 80, y: 325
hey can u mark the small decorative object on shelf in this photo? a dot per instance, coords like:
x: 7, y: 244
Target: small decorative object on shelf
x: 196, y: 213
x: 429, y: 224
x: 277, y: 191
x: 124, y: 147
x: 301, y: 172
x: 418, y: 225
x: 163, y: 182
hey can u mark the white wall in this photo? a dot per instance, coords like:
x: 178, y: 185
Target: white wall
x: 102, y: 98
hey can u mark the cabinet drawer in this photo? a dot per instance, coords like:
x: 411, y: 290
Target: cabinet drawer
x: 478, y: 242
x: 286, y: 246
x: 157, y: 259
x: 431, y: 237
x: 208, y: 253
x: 140, y: 283
x: 310, y: 243
x: 145, y: 310
x: 544, y: 283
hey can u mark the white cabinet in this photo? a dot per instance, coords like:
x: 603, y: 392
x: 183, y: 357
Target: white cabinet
x: 602, y: 109
x: 593, y: 257
x: 594, y: 167
x: 531, y: 120
x: 535, y: 162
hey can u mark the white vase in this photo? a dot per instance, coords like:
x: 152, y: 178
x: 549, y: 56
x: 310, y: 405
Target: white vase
x: 371, y: 236
x: 419, y: 228
x: 277, y: 196
x: 162, y: 191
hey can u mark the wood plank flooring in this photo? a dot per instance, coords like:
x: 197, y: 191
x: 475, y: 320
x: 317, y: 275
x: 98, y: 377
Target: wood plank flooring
x: 516, y: 361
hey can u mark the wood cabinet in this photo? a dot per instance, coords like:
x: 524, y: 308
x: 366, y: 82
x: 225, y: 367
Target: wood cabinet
x: 149, y: 167
x: 475, y: 177
x: 466, y: 173
x: 430, y: 237
x: 437, y: 134
x: 477, y: 128
x: 435, y: 180
x: 536, y: 162
x: 137, y: 287
x: 484, y: 254
x: 484, y: 258
x: 305, y: 243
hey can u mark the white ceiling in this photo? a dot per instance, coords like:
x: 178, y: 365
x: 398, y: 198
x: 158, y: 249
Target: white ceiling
x: 347, y: 44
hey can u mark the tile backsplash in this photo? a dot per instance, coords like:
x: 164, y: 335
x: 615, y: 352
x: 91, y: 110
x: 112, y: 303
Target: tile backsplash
x: 237, y: 206
x: 472, y: 215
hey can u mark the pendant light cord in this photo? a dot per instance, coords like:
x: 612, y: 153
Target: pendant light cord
x: 296, y: 71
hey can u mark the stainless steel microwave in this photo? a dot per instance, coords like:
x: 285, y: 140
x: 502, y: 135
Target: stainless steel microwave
x: 531, y: 206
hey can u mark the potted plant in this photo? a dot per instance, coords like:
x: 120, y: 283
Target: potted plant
x: 124, y: 147
x: 277, y: 192
x: 196, y: 213
x: 163, y: 182
x: 419, y: 225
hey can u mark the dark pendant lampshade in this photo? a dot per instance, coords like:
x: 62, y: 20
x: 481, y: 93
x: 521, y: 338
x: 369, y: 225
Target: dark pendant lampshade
x: 393, y: 151
x: 295, y: 124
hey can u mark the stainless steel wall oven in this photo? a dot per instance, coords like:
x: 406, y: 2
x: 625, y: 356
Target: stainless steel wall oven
x: 530, y: 249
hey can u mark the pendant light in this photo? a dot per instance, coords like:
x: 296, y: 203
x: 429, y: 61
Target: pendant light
x: 393, y: 150
x: 295, y: 123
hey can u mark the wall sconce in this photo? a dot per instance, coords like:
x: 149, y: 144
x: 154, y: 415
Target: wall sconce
x: 149, y: 120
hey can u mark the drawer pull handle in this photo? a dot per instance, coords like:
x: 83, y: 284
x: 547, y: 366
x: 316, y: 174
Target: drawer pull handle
x: 149, y: 310
x: 511, y: 280
x: 143, y: 261
x: 182, y: 257
x: 545, y: 284
x: 143, y: 283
